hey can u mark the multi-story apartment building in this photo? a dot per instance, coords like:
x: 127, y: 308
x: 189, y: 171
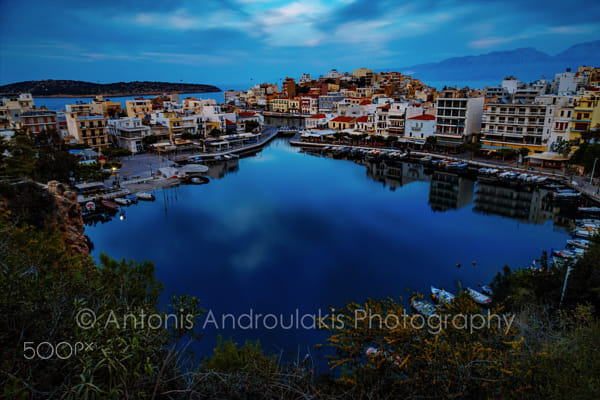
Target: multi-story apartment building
x: 288, y: 87
x: 128, y: 132
x: 586, y: 115
x: 36, y: 121
x: 139, y: 108
x: 515, y: 126
x: 316, y: 121
x: 309, y: 105
x: 458, y: 117
x: 279, y: 104
x: 326, y: 102
x: 87, y: 128
x: 105, y: 106
x: 11, y: 108
x: 341, y: 123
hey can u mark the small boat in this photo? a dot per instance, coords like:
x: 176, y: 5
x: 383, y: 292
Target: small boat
x: 564, y: 253
x: 90, y: 206
x: 589, y: 210
x: 583, y: 233
x: 479, y: 298
x: 199, y: 180
x: 487, y: 290
x: 122, y: 201
x: 132, y: 197
x: 145, y: 196
x: 109, y: 204
x: 441, y: 295
x: 580, y: 243
x: 566, y: 195
x: 587, y: 221
x: 423, y: 307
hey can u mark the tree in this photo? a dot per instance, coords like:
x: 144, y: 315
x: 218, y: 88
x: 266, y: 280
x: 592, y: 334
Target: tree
x: 561, y: 146
x: 431, y: 140
x: 215, y: 132
x: 149, y: 140
x: 115, y: 152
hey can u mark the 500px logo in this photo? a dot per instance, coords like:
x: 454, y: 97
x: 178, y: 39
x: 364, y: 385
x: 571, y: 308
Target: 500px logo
x: 47, y: 350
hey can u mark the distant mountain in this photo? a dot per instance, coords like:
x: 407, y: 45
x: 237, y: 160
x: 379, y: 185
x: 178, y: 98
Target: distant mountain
x: 81, y: 88
x: 527, y: 64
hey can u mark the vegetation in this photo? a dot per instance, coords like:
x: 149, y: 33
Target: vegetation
x: 251, y: 125
x: 215, y: 132
x: 115, y: 152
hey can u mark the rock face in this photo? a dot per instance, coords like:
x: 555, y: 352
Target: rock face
x: 68, y: 217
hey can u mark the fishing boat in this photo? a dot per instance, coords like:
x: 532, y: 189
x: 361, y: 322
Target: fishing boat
x: 580, y: 243
x: 566, y: 195
x: 589, y: 210
x: 122, y: 201
x: 487, y: 290
x: 199, y: 180
x: 423, y: 307
x: 145, y: 196
x: 441, y: 295
x: 587, y: 221
x: 584, y: 233
x: 90, y: 206
x: 478, y: 297
x: 132, y: 197
x: 564, y: 253
x: 109, y: 204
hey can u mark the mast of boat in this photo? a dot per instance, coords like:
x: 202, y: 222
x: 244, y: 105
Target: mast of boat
x: 562, y: 296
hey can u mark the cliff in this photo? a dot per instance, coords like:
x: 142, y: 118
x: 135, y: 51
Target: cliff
x: 68, y: 218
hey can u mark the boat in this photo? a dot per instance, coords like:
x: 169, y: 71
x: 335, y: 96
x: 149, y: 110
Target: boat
x: 423, y: 307
x: 122, y: 201
x: 566, y: 195
x: 90, y: 206
x: 199, y: 180
x: 564, y: 253
x: 145, y: 196
x: 441, y: 295
x: 587, y: 221
x: 109, y: 204
x: 589, y: 210
x: 478, y: 297
x: 487, y: 290
x: 132, y: 197
x: 584, y: 233
x: 580, y: 243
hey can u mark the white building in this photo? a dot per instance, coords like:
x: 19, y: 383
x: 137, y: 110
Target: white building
x: 458, y: 118
x: 420, y: 126
x: 128, y: 132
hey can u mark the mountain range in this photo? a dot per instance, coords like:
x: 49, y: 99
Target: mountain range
x: 527, y: 64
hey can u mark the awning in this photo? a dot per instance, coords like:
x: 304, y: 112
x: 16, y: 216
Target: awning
x: 548, y: 156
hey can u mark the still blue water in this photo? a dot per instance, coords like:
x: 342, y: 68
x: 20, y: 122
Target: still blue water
x: 289, y: 230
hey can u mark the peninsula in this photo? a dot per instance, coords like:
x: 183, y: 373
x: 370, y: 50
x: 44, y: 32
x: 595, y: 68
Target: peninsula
x: 66, y: 88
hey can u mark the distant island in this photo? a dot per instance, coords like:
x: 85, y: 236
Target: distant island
x: 68, y: 88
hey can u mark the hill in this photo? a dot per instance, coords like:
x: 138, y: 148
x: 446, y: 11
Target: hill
x: 81, y: 88
x: 526, y: 64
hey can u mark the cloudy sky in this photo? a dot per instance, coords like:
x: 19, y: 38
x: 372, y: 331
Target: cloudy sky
x: 238, y: 42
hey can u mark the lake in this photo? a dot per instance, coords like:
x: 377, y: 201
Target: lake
x: 287, y: 230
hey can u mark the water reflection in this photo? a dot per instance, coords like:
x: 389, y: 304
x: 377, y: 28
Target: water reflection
x: 449, y: 191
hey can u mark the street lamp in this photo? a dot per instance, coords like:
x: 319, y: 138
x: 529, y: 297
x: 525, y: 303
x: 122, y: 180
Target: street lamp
x: 593, y: 169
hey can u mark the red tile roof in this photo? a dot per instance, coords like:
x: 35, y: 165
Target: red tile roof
x: 246, y: 114
x: 385, y: 107
x: 343, y: 119
x: 228, y: 122
x: 365, y: 102
x: 424, y: 117
x: 318, y: 116
x: 364, y: 118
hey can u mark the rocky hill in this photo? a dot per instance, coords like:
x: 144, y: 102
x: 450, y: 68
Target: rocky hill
x: 81, y: 88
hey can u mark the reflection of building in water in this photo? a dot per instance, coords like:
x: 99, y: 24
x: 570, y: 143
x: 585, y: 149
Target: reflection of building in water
x: 523, y: 203
x: 396, y: 174
x: 449, y: 191
x: 219, y: 170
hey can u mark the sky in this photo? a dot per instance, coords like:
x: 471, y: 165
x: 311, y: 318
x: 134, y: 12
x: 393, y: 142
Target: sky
x: 242, y: 42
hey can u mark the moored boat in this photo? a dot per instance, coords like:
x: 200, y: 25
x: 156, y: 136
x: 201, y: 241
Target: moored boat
x: 423, y: 307
x: 441, y: 295
x: 487, y: 290
x: 109, y: 204
x: 589, y: 210
x: 145, y: 196
x: 90, y: 206
x: 132, y: 197
x: 122, y: 201
x: 478, y: 297
x: 580, y: 243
